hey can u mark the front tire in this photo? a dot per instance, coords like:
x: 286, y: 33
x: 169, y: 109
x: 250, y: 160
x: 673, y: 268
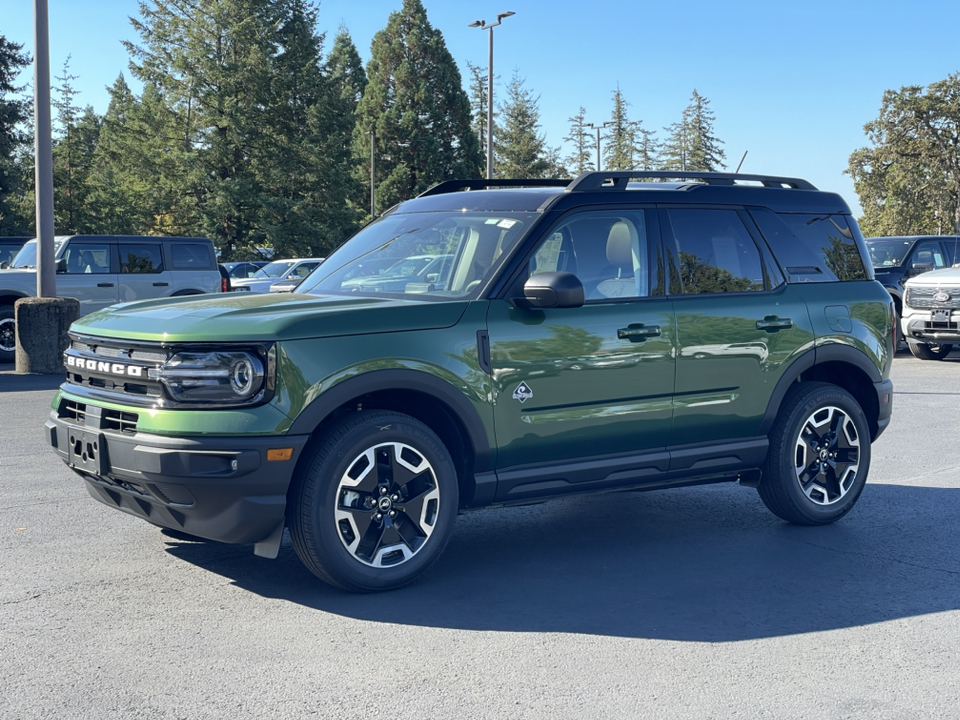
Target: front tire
x: 8, y: 334
x: 373, y: 505
x: 923, y: 351
x: 819, y: 456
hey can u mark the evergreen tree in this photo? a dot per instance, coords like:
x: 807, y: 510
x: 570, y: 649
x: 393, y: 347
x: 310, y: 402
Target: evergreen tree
x: 675, y: 153
x: 14, y: 112
x: 621, y: 137
x: 520, y: 149
x: 584, y: 144
x: 646, y: 148
x: 908, y: 181
x: 415, y: 103
x: 478, y: 104
x: 705, y: 153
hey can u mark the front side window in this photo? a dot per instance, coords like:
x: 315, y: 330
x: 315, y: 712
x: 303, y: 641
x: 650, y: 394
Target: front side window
x: 608, y: 251
x: 140, y: 258
x: 433, y: 255
x: 712, y: 252
x: 84, y: 259
x: 276, y: 269
x: 928, y: 253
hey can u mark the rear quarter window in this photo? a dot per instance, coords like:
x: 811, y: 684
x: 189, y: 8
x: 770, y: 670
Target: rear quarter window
x: 191, y: 256
x: 813, y: 247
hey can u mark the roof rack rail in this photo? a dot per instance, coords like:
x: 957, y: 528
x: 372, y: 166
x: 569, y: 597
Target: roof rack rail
x: 618, y: 179
x: 449, y: 186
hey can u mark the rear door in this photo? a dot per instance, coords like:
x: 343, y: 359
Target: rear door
x: 193, y: 267
x: 142, y: 272
x: 739, y: 326
x: 582, y: 396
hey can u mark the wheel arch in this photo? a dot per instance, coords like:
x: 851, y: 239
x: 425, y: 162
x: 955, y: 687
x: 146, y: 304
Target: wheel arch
x: 435, y: 402
x: 839, y: 365
x: 9, y: 297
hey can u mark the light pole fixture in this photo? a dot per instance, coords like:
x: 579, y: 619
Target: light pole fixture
x: 608, y: 123
x: 482, y: 24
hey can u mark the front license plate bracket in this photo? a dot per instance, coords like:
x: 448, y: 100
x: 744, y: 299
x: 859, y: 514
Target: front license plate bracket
x: 87, y: 451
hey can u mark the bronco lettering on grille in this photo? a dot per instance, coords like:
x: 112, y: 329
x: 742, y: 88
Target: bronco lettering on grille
x: 105, y: 367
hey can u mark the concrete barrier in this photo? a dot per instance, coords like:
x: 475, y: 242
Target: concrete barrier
x: 42, y: 325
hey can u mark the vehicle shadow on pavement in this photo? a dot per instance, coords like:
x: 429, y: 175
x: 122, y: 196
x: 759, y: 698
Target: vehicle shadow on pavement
x: 707, y: 565
x: 10, y: 381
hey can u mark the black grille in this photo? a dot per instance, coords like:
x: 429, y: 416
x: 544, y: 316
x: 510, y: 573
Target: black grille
x: 125, y: 422
x: 114, y: 370
x: 923, y: 298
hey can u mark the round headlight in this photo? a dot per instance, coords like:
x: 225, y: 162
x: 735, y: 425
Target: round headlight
x: 242, y: 376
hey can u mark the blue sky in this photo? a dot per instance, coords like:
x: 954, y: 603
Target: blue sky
x: 790, y: 83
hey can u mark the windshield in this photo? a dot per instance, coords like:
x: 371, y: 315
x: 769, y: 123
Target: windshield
x: 27, y: 257
x: 888, y: 253
x: 423, y: 255
x: 274, y: 269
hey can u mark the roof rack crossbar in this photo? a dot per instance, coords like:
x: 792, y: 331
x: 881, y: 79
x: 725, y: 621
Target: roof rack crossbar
x: 618, y: 179
x: 449, y: 186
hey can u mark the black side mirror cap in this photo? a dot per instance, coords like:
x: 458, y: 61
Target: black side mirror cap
x: 554, y: 290
x: 61, y: 265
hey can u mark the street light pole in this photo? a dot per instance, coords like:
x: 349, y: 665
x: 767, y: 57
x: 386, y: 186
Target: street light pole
x: 608, y: 123
x: 482, y: 24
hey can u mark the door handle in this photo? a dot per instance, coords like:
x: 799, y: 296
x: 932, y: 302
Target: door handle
x: 161, y: 284
x: 772, y: 323
x: 104, y: 284
x: 638, y: 333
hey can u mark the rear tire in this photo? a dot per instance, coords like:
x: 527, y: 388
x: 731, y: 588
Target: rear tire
x: 8, y: 334
x: 819, y: 456
x: 373, y: 505
x: 928, y: 352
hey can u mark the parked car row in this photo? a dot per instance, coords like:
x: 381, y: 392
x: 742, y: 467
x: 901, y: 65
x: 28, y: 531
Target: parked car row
x: 922, y: 275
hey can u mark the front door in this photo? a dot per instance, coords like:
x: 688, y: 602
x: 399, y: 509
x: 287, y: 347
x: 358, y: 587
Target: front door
x: 592, y: 382
x: 85, y: 273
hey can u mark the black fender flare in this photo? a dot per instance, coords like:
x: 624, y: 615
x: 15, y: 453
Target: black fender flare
x: 418, y: 381
x: 816, y: 356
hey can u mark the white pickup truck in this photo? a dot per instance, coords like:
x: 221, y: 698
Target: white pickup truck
x: 102, y: 270
x: 930, y: 321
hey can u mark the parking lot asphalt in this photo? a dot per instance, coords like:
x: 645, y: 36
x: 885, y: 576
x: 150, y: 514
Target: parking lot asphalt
x: 687, y: 603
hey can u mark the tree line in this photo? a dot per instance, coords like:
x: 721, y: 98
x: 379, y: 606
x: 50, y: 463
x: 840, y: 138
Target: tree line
x: 248, y: 132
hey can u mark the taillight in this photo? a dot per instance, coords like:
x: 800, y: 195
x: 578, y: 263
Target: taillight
x: 893, y: 321
x: 224, y: 285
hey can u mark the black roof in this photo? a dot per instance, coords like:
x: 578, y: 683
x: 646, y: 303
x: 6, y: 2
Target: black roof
x: 780, y: 194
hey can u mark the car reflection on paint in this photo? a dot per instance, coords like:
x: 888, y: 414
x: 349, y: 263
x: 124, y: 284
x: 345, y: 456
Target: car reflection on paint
x: 759, y: 350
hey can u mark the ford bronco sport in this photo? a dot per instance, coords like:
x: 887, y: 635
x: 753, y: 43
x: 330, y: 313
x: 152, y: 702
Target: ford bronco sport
x: 597, y: 335
x: 101, y: 270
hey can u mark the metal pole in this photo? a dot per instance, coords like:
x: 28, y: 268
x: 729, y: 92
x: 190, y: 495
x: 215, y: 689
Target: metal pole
x: 373, y: 174
x: 598, y: 148
x: 46, y: 271
x: 490, y: 110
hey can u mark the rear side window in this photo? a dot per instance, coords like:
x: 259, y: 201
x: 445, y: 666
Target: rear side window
x: 140, y: 258
x: 713, y: 252
x: 812, y: 247
x: 191, y: 256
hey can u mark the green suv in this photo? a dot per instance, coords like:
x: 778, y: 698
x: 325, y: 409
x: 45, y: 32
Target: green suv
x: 624, y: 331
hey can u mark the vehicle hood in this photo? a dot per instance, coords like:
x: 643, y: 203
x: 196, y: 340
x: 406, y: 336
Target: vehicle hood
x: 241, y: 317
x: 946, y: 276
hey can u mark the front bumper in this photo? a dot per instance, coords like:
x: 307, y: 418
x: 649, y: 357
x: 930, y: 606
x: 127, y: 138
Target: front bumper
x: 932, y: 327
x: 885, y: 404
x: 218, y: 488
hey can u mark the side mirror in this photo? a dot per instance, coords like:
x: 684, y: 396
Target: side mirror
x: 62, y: 265
x: 432, y: 277
x: 4, y: 265
x: 918, y: 268
x: 554, y: 290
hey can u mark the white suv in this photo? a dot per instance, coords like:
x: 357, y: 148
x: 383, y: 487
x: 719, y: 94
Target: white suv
x: 931, y: 313
x: 101, y: 270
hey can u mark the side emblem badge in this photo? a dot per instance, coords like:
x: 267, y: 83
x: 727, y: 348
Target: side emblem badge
x: 522, y: 393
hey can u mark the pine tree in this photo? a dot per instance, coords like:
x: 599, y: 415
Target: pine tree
x: 14, y: 112
x: 478, y: 104
x: 415, y: 103
x: 619, y: 150
x: 675, y: 154
x: 584, y: 144
x: 705, y: 153
x: 646, y: 148
x: 520, y: 149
